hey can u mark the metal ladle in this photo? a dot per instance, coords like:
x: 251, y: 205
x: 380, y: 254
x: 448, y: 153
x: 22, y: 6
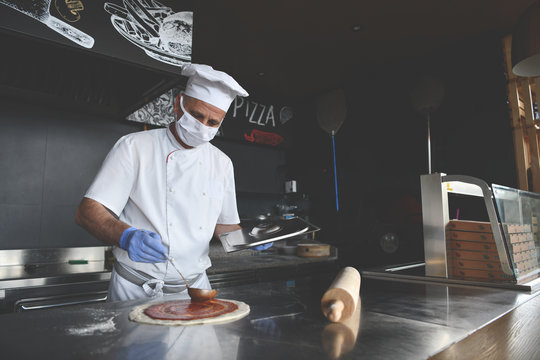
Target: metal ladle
x: 194, y: 293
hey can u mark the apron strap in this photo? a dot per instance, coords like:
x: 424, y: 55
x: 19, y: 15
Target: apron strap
x: 150, y: 285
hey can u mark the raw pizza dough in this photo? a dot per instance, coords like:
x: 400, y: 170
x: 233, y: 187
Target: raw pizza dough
x: 138, y: 315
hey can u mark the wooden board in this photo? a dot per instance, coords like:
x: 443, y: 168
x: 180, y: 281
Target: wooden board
x: 313, y: 250
x: 512, y: 336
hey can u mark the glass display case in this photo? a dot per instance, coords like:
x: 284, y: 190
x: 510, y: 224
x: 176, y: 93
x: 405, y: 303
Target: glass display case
x: 518, y: 213
x: 500, y: 250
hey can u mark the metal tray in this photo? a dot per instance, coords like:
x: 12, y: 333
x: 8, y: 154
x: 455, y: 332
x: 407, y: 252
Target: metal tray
x: 262, y: 231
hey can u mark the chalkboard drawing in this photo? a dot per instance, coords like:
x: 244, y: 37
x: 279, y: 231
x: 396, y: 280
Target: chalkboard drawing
x: 263, y: 137
x: 163, y: 34
x: 39, y: 10
x: 69, y: 9
x: 285, y: 114
x: 158, y: 112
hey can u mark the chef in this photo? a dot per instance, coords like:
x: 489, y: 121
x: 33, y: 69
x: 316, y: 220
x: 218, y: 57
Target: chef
x: 165, y: 193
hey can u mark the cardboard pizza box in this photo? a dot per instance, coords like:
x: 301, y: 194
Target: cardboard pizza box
x: 473, y: 255
x: 475, y: 264
x: 483, y: 275
x: 518, y: 228
x: 470, y: 236
x: 468, y: 225
x: 470, y: 245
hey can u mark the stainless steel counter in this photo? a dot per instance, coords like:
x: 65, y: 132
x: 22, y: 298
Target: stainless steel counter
x: 397, y: 320
x: 33, y: 279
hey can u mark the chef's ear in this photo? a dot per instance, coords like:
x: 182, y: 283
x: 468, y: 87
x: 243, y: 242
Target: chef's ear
x: 177, y: 108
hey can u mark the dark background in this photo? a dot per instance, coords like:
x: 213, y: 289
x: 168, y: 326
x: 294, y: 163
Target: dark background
x: 52, y: 143
x: 382, y: 148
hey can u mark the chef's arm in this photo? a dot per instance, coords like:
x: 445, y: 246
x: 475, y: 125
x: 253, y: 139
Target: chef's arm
x: 99, y: 221
x: 223, y: 228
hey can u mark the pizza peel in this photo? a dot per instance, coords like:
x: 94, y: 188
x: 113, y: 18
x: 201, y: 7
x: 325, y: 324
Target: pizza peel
x: 39, y: 10
x: 331, y: 113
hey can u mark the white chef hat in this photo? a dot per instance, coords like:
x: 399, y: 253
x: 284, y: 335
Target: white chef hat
x: 211, y: 86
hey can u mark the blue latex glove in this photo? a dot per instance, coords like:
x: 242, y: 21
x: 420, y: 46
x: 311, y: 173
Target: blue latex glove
x: 143, y: 246
x: 263, y: 246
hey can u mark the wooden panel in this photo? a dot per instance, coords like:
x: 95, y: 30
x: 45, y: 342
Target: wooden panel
x: 513, y: 336
x: 507, y: 49
x: 531, y: 133
x: 514, y: 103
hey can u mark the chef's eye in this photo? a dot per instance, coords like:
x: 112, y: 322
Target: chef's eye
x: 197, y: 115
x: 213, y: 123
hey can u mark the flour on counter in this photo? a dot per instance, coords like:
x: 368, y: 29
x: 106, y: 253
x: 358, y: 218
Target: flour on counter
x: 104, y: 327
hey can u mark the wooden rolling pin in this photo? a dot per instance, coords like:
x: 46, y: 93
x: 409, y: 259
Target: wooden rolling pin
x: 339, y: 301
x: 339, y: 338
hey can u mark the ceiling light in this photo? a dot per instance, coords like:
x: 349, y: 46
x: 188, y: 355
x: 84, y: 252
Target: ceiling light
x: 357, y: 27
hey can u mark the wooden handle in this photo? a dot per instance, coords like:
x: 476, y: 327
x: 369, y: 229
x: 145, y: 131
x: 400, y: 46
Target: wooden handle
x: 335, y: 310
x: 339, y: 301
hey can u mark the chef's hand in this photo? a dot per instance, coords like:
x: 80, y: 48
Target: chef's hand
x: 143, y: 246
x: 263, y: 246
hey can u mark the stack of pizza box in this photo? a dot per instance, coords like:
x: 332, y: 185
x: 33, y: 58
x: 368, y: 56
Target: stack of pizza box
x: 523, y: 247
x: 472, y: 253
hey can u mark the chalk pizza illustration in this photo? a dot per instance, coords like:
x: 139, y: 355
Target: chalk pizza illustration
x: 40, y: 11
x: 163, y: 34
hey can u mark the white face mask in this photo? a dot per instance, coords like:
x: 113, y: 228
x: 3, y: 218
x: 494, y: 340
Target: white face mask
x: 191, y: 131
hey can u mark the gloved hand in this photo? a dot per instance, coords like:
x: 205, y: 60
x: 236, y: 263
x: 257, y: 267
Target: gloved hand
x: 263, y: 246
x: 143, y: 246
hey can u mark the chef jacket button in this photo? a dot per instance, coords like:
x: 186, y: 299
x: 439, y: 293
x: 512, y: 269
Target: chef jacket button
x: 171, y: 190
x: 200, y: 227
x: 200, y: 162
x: 204, y: 194
x: 170, y: 224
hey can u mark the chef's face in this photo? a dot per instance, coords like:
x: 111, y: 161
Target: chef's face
x: 207, y: 114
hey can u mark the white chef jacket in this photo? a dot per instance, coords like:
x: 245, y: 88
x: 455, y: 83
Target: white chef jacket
x: 153, y: 183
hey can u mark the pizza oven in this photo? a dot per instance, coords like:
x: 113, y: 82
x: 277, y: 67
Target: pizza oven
x: 33, y: 279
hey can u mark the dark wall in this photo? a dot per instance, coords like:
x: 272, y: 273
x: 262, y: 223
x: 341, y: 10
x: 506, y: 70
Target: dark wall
x: 49, y: 157
x: 382, y: 148
x: 260, y: 173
